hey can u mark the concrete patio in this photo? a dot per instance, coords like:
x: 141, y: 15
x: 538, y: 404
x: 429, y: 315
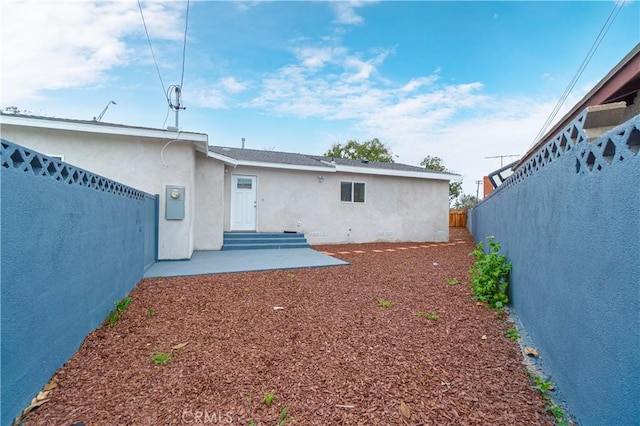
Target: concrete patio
x: 220, y: 262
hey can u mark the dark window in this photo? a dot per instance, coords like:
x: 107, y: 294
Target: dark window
x: 352, y: 192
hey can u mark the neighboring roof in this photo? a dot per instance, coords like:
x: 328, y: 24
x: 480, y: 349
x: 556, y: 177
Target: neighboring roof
x: 619, y: 84
x: 288, y: 160
x: 90, y: 126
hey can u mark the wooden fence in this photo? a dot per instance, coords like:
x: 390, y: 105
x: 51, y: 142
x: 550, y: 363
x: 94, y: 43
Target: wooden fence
x: 457, y: 218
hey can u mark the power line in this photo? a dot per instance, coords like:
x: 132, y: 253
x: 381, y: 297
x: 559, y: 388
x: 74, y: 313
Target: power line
x: 184, y: 45
x: 603, y: 31
x: 164, y: 91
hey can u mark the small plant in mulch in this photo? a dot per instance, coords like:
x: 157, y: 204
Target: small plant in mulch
x: 120, y: 309
x: 433, y: 315
x: 512, y: 333
x: 150, y: 312
x: 452, y: 281
x: 284, y: 418
x: 160, y: 358
x: 384, y: 303
x: 267, y: 397
x: 489, y: 275
x: 544, y: 386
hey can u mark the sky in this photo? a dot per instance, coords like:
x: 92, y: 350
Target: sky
x: 462, y: 81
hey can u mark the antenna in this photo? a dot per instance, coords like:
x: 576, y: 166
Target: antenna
x: 478, y: 182
x: 175, y: 94
x: 103, y: 111
x: 503, y: 156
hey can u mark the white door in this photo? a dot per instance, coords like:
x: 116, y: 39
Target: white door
x: 243, y: 203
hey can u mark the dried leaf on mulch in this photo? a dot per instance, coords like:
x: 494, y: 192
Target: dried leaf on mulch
x: 332, y: 355
x: 531, y: 351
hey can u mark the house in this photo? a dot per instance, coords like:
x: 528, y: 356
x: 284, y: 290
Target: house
x: 206, y: 190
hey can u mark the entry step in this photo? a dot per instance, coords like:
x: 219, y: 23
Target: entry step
x: 263, y: 240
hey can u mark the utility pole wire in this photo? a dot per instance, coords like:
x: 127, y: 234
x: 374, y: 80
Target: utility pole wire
x: 164, y: 91
x: 596, y: 43
x: 184, y: 46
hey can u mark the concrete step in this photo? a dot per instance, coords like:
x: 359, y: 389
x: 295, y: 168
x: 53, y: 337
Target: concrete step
x: 262, y: 240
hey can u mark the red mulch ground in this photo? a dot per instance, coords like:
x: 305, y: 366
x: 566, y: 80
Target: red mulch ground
x: 332, y: 354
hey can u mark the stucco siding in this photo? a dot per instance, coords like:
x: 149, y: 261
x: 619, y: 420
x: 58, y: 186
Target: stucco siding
x: 70, y: 247
x: 209, y: 203
x: 133, y: 161
x: 395, y: 209
x: 572, y: 231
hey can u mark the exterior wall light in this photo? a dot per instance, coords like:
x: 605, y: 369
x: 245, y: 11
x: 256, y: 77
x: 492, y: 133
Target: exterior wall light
x: 320, y: 179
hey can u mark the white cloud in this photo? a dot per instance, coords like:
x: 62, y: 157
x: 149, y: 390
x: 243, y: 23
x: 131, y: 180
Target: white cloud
x: 345, y: 12
x: 318, y: 57
x: 56, y: 45
x: 461, y: 123
x: 216, y: 95
x: 416, y: 83
x: 232, y: 85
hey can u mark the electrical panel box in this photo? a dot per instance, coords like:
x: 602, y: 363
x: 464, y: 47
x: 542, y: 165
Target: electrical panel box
x: 174, y: 202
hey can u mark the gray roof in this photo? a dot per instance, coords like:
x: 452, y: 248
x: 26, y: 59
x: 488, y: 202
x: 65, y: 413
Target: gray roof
x: 263, y: 156
x: 243, y: 154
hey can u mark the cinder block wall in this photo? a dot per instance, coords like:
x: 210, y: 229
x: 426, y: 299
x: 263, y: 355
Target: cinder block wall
x: 72, y: 243
x: 569, y: 223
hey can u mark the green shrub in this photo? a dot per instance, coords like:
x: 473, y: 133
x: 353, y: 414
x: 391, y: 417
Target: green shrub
x: 489, y: 275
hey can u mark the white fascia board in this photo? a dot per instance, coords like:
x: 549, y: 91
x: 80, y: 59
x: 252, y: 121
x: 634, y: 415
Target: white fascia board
x: 398, y: 173
x: 286, y: 166
x: 227, y: 160
x: 104, y: 129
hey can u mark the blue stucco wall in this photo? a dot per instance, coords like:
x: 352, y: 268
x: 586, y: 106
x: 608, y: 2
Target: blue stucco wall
x: 570, y: 224
x: 72, y: 243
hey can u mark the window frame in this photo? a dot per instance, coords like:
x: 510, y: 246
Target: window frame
x: 352, y: 191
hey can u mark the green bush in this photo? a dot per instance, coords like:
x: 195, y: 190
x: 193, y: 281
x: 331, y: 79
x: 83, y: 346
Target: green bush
x: 489, y: 275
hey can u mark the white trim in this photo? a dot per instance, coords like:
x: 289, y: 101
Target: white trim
x: 227, y: 160
x: 110, y: 129
x: 285, y: 166
x: 398, y: 173
x: 353, y: 192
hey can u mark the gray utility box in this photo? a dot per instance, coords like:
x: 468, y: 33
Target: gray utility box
x: 174, y: 202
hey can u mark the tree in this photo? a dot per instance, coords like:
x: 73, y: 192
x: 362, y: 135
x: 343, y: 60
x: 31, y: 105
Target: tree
x: 372, y: 150
x: 466, y: 202
x: 11, y: 110
x: 435, y: 163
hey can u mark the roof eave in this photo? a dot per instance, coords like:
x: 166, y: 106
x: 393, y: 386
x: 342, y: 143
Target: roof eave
x: 87, y: 127
x: 267, y: 165
x: 397, y: 173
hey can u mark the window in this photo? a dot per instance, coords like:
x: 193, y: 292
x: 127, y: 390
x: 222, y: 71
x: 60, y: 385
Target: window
x: 352, y: 192
x: 244, y: 183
